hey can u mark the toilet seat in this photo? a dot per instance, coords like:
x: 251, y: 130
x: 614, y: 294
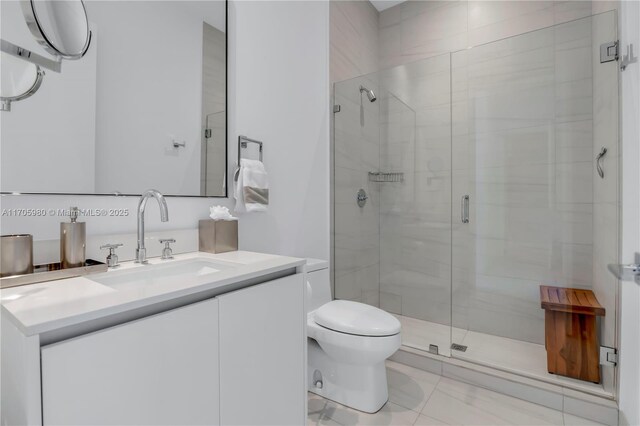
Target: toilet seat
x: 357, y: 319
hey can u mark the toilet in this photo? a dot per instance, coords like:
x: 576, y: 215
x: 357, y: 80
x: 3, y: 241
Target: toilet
x: 348, y: 343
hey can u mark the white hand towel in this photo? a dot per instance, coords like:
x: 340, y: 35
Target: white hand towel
x: 237, y: 191
x: 252, y: 187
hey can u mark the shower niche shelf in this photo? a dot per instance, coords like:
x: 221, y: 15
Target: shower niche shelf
x: 386, y: 177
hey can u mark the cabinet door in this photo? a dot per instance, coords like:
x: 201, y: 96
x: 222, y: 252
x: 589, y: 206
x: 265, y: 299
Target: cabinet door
x: 263, y: 354
x: 158, y: 370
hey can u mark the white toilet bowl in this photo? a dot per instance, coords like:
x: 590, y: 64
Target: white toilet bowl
x: 347, y: 346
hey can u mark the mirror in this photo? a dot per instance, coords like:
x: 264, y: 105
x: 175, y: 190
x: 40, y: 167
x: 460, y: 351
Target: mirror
x: 20, y: 79
x: 60, y: 26
x: 145, y: 107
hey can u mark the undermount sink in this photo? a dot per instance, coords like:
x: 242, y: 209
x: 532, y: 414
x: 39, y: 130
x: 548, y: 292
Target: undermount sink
x: 151, y: 274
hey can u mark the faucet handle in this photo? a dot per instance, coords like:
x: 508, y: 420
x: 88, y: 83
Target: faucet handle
x: 112, y: 257
x: 166, y: 251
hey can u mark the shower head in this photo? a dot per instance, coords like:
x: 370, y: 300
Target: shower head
x: 370, y: 95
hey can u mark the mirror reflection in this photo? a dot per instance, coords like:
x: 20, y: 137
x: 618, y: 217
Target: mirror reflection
x: 61, y: 26
x: 145, y: 107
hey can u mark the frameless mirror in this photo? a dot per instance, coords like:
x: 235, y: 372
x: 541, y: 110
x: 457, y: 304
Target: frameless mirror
x: 60, y: 26
x: 145, y: 107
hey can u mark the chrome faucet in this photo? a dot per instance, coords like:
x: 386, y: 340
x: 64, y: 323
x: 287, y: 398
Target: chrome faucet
x: 141, y: 251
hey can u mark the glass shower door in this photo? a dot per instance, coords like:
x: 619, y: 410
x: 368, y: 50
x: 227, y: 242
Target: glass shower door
x: 529, y: 116
x: 415, y: 227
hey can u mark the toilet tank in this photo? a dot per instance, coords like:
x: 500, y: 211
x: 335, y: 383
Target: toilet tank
x: 318, y: 284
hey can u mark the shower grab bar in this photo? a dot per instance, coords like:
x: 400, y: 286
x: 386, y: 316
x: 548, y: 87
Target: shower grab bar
x: 602, y: 153
x: 464, y: 209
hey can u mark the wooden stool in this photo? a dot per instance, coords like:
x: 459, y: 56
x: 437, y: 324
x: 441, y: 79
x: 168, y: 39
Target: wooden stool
x: 571, y: 338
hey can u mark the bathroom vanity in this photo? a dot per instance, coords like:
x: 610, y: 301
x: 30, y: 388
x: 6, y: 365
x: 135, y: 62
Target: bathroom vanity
x: 199, y: 339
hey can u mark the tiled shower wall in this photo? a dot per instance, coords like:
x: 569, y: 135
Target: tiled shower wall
x: 523, y: 143
x: 416, y: 30
x: 357, y: 229
x: 415, y: 238
x: 356, y: 245
x: 415, y: 228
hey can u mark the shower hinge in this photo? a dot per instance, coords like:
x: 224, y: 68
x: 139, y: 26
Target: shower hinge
x: 608, y: 356
x: 336, y: 108
x: 609, y: 52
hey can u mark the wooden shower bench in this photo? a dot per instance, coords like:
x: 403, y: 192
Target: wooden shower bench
x: 571, y: 337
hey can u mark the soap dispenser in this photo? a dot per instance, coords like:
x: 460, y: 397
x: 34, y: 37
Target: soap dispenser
x: 72, y: 241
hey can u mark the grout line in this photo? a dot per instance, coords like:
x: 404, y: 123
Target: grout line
x: 435, y: 388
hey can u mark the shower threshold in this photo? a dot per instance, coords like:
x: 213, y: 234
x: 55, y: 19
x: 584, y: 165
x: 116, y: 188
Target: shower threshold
x: 521, y: 358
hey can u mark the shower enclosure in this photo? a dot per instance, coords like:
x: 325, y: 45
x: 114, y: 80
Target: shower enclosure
x: 470, y: 180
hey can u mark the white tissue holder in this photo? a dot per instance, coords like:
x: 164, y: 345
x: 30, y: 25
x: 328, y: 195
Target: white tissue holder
x: 217, y: 236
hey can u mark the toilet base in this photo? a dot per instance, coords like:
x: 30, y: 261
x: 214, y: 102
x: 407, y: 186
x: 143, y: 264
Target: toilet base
x: 363, y: 387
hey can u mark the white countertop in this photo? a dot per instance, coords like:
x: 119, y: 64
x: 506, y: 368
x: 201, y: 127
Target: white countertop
x: 39, y: 308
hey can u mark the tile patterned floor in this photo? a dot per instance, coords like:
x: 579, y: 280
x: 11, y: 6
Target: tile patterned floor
x: 420, y: 398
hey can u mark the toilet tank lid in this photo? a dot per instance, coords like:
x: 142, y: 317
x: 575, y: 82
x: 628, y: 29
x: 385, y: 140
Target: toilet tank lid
x: 315, y: 265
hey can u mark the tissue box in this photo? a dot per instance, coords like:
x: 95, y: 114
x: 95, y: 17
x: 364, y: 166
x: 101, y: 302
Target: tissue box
x: 217, y: 236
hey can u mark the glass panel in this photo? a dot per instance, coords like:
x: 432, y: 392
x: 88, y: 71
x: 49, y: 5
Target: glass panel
x: 395, y: 251
x: 529, y: 115
x: 356, y: 229
x: 415, y: 228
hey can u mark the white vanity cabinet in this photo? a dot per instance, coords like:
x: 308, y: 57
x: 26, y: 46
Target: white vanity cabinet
x: 262, y: 352
x: 159, y: 370
x: 231, y: 354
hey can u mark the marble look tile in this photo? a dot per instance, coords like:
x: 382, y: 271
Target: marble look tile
x: 482, y: 13
x: 390, y: 16
x: 565, y: 11
x: 417, y: 359
x: 420, y: 334
x: 529, y: 393
x: 389, y: 415
x: 361, y: 285
x: 502, y: 354
x: 462, y: 404
x: 409, y: 387
x: 521, y: 358
x: 494, y: 20
x: 591, y: 408
x: 318, y: 419
x: 571, y: 420
x: 574, y: 141
x: 390, y: 302
x: 353, y: 39
x: 601, y: 6
x: 428, y: 421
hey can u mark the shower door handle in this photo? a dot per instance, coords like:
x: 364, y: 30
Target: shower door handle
x: 464, y: 209
x: 602, y: 153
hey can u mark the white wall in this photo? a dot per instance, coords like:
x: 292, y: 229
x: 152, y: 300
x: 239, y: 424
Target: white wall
x: 279, y: 93
x: 282, y: 98
x: 629, y: 371
x: 149, y: 62
x: 35, y: 152
x: 159, y: 77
